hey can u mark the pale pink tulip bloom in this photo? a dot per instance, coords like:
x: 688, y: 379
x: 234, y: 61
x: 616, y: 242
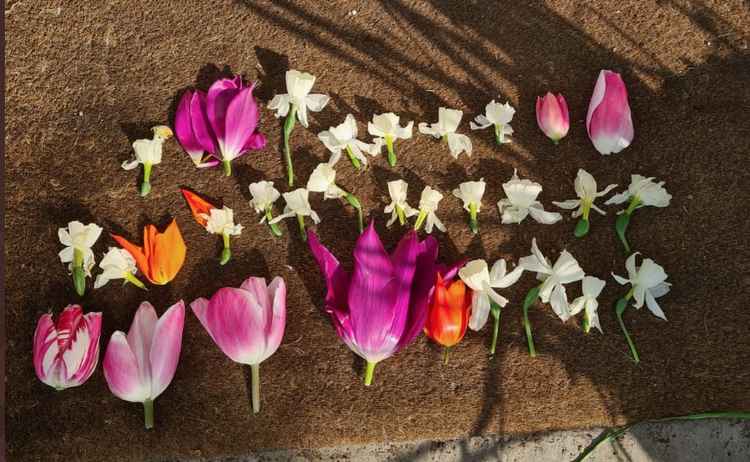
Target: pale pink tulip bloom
x: 552, y: 116
x: 608, y: 121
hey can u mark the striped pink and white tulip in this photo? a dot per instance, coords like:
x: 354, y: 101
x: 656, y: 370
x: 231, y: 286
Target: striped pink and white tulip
x: 608, y: 121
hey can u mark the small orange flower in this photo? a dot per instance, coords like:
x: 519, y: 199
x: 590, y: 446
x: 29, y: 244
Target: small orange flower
x: 449, y: 312
x: 200, y: 207
x: 162, y: 254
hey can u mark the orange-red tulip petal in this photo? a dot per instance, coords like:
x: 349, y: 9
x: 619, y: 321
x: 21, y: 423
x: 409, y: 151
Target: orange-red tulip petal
x: 450, y: 309
x: 162, y: 254
x: 200, y: 207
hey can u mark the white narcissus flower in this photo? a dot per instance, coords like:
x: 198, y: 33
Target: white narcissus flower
x: 343, y: 137
x: 264, y: 195
x: 323, y: 180
x: 591, y: 288
x: 78, y: 237
x: 585, y: 187
x: 497, y: 115
x: 298, y: 86
x: 117, y: 264
x: 552, y: 290
x: 297, y: 204
x: 445, y: 128
x: 642, y: 192
x: 521, y: 202
x: 428, y: 204
x: 648, y: 282
x: 471, y: 192
x: 399, y: 208
x: 483, y: 282
x: 386, y: 129
x: 221, y: 221
x: 149, y: 152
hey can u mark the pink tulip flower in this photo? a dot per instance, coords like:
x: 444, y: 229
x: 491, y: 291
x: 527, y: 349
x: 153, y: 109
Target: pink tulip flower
x: 608, y: 121
x: 66, y: 353
x: 552, y: 116
x: 140, y: 366
x: 222, y: 124
x: 382, y: 306
x: 246, y: 323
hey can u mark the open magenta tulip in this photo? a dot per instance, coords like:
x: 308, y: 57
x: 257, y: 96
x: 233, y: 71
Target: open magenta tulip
x: 222, y: 124
x: 246, y: 323
x: 608, y: 121
x: 66, y: 353
x: 552, y: 116
x: 382, y: 306
x: 140, y: 366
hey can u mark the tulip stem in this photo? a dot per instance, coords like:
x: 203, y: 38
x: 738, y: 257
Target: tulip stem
x: 354, y: 202
x: 226, y: 252
x: 148, y: 414
x: 255, y: 386
x: 129, y: 277
x: 391, y: 153
x: 473, y: 225
x: 274, y: 227
x: 446, y: 352
x: 288, y: 127
x: 527, y: 302
x: 420, y: 220
x: 495, y: 311
x: 146, y: 185
x: 301, y: 223
x: 79, y: 275
x: 369, y: 371
x: 357, y: 164
x: 227, y: 164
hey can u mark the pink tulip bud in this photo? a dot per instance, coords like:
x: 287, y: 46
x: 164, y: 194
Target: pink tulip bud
x: 66, y: 353
x: 552, y: 116
x: 608, y: 121
x: 139, y: 367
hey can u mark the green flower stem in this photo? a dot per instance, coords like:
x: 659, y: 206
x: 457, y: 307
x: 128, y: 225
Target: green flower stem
x: 401, y: 215
x: 146, y: 185
x: 446, y: 352
x: 420, y: 220
x: 582, y: 227
x: 586, y: 322
x: 391, y: 152
x: 473, y: 223
x: 354, y: 202
x: 79, y: 274
x: 531, y: 297
x: 227, y: 164
x: 226, y: 252
x: 619, y: 310
x: 301, y: 223
x: 495, y: 312
x: 352, y: 158
x: 288, y: 127
x: 369, y: 371
x: 255, y: 386
x: 148, y: 414
x: 499, y: 134
x: 274, y: 227
x: 129, y: 277
x: 623, y: 220
x: 634, y: 203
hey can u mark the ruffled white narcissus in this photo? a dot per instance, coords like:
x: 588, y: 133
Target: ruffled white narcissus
x: 585, y: 187
x: 591, y: 287
x: 648, y: 282
x: 343, y: 137
x: 386, y: 129
x: 399, y: 208
x: 149, y: 151
x: 117, y: 264
x: 323, y: 180
x: 471, y: 192
x: 264, y: 195
x: 428, y: 205
x: 552, y: 290
x: 521, y: 202
x: 297, y: 204
x: 644, y: 192
x: 497, y: 115
x: 79, y: 237
x: 445, y: 128
x: 483, y: 282
x: 221, y: 221
x: 298, y: 87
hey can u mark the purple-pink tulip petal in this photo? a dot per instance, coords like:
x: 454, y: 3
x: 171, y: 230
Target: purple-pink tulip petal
x: 66, y: 354
x: 552, y: 116
x: 608, y: 121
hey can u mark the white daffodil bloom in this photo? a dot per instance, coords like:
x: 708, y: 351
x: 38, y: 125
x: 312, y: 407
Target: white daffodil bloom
x: 298, y: 98
x: 221, y: 221
x: 591, y: 287
x: 386, y: 129
x: 497, y: 115
x: 323, y: 180
x: 428, y: 204
x: 297, y: 204
x: 264, y: 195
x: 483, y: 282
x: 445, y: 128
x: 344, y: 138
x: 399, y: 208
x: 648, y: 282
x: 585, y: 187
x: 521, y: 202
x: 149, y: 152
x: 642, y: 192
x: 117, y: 264
x: 552, y: 290
x: 471, y: 192
x: 78, y: 239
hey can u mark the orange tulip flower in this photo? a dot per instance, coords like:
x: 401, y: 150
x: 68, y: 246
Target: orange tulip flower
x: 449, y: 312
x: 162, y: 254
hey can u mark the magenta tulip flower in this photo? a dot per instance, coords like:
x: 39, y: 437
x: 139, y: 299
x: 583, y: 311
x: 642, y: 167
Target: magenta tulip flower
x: 382, y: 306
x: 246, y: 323
x: 222, y: 124
x: 552, y: 116
x: 608, y: 121
x: 66, y: 353
x: 140, y: 366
